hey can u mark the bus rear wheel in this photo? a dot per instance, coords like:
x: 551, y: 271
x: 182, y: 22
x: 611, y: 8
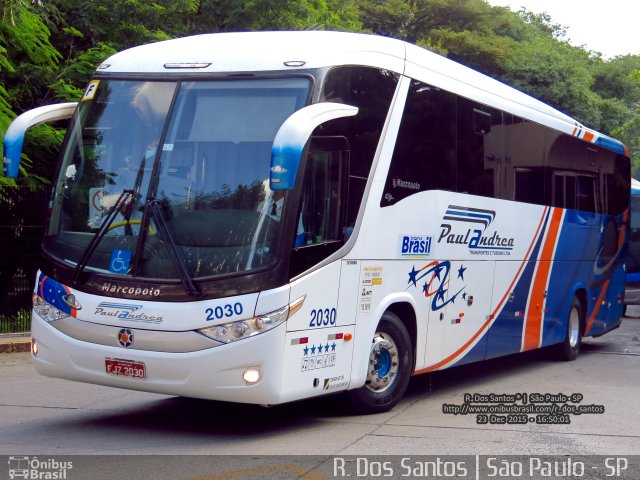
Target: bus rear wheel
x: 570, y: 348
x: 388, y: 370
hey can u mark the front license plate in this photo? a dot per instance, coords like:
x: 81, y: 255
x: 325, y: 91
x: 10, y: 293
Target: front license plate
x: 125, y: 368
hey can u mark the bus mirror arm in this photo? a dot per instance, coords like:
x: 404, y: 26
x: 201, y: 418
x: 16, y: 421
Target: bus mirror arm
x: 293, y: 136
x: 14, y: 136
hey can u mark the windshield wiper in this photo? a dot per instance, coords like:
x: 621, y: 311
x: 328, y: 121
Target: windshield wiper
x: 136, y: 192
x: 125, y: 197
x: 183, y: 272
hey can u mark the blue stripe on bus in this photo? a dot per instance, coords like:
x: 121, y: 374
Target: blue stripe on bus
x: 633, y: 277
x: 505, y: 335
x: 487, y: 219
x: 611, y: 144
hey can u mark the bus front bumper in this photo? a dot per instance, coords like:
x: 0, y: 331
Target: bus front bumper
x: 214, y: 373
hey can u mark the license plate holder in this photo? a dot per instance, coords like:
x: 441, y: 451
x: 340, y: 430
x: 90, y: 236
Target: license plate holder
x: 125, y: 368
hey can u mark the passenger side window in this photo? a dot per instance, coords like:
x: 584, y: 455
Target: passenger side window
x: 586, y: 193
x: 371, y: 90
x: 480, y: 148
x: 529, y: 185
x: 425, y: 152
x: 617, y: 184
x: 339, y: 162
x: 574, y: 191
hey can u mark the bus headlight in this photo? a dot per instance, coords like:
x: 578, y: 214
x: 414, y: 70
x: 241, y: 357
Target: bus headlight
x: 230, y: 332
x: 45, y: 310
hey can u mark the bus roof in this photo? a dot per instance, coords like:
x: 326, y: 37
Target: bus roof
x: 261, y: 51
x: 244, y: 52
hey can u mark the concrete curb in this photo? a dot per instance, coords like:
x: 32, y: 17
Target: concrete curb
x: 15, y: 342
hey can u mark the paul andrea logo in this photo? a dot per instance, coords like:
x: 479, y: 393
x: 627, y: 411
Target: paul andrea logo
x: 125, y: 311
x: 475, y: 236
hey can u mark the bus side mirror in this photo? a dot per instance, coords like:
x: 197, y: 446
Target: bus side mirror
x: 293, y: 136
x: 14, y: 136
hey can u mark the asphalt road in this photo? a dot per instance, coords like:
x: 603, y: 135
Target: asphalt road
x: 44, y: 416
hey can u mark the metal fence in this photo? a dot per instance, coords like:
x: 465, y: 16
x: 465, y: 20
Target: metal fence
x: 22, y: 215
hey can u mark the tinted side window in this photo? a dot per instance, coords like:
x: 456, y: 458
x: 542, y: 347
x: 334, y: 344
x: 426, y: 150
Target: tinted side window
x: 425, y: 152
x: 529, y: 185
x: 526, y: 177
x: 585, y: 193
x: 371, y: 90
x: 617, y: 186
x: 480, y: 148
x: 338, y: 162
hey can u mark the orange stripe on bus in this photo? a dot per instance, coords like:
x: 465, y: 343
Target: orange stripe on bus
x: 575, y: 129
x: 533, y: 322
x: 623, y: 229
x: 588, y: 136
x: 605, y: 286
x: 455, y: 354
x: 596, y: 308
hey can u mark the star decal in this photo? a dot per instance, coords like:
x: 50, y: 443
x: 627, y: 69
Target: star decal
x: 333, y: 347
x: 306, y: 351
x: 412, y: 276
x: 437, y: 270
x: 437, y: 282
x: 313, y: 349
x: 461, y: 271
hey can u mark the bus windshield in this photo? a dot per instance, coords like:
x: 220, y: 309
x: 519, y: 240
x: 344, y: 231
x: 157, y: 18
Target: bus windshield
x: 164, y: 178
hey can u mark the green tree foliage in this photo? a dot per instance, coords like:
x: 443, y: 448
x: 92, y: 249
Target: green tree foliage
x: 120, y: 23
x: 617, y: 78
x: 629, y: 133
x: 242, y: 15
x: 526, y: 50
x: 617, y: 82
x: 27, y: 59
x: 557, y: 73
x: 574, y: 80
x: 469, y: 31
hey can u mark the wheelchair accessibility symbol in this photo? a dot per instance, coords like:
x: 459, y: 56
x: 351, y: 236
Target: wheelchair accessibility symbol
x: 120, y: 260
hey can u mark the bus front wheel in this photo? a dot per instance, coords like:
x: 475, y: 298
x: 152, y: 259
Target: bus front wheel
x: 570, y: 348
x: 388, y: 369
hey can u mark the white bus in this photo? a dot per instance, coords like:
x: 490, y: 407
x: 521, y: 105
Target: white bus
x: 266, y: 217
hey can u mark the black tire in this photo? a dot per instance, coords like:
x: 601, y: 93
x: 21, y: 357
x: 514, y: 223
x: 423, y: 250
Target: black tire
x: 389, y: 369
x: 570, y: 348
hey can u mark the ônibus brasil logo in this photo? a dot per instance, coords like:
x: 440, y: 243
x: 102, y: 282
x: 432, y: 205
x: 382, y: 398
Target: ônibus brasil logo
x: 28, y: 467
x: 476, y: 237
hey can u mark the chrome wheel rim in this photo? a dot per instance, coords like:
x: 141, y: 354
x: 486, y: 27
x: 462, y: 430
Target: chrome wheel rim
x: 383, y: 363
x: 574, y: 327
